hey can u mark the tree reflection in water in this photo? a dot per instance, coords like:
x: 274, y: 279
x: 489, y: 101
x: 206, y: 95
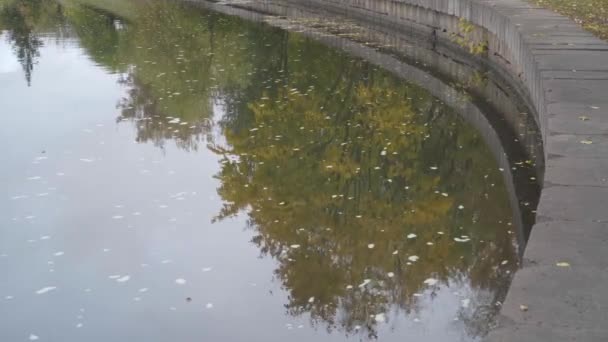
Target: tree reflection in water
x: 360, y: 185
x: 20, y: 18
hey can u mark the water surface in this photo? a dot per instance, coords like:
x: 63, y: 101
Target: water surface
x: 175, y: 174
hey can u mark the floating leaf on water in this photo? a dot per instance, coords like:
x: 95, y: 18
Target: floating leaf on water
x: 413, y: 258
x: 294, y: 246
x: 562, y: 264
x: 379, y: 318
x: 365, y: 282
x: 411, y: 236
x: 430, y: 281
x: 371, y: 245
x: 46, y: 289
x: 123, y: 279
x: 586, y: 142
x: 462, y: 239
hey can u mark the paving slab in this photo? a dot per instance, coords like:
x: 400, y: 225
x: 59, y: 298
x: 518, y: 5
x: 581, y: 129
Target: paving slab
x: 559, y: 304
x: 575, y: 75
x: 574, y: 203
x: 579, y: 146
x: 565, y: 59
x: 580, y: 244
x: 579, y: 122
x: 589, y: 172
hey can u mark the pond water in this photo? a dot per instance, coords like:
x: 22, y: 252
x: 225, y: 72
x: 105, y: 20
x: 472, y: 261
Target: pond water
x: 174, y: 174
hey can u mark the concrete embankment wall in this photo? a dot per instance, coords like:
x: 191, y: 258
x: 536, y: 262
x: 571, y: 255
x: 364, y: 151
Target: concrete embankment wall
x: 561, y: 292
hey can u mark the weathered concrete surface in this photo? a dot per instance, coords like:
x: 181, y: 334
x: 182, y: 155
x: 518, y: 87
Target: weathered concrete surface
x: 564, y: 71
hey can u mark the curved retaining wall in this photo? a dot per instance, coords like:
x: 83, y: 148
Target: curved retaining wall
x: 564, y: 71
x: 489, y: 103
